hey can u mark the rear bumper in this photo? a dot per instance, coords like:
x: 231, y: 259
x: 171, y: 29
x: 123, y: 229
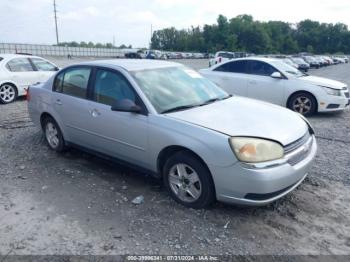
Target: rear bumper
x: 238, y: 184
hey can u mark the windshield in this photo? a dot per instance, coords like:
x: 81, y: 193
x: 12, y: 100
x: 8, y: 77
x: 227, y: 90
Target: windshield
x: 287, y: 61
x: 287, y: 69
x: 176, y: 87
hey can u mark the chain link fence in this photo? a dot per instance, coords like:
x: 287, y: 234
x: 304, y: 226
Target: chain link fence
x: 49, y: 50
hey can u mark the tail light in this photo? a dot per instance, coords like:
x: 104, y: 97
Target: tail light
x: 27, y: 94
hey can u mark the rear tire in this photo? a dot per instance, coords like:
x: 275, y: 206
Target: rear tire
x: 8, y: 93
x: 53, y: 135
x: 303, y: 103
x: 188, y: 180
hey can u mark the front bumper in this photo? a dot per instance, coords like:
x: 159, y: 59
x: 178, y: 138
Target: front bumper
x: 239, y: 184
x: 331, y: 103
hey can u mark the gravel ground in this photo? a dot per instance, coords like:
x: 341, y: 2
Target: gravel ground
x: 75, y: 203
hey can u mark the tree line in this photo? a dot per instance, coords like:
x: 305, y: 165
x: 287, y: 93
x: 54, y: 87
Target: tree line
x: 91, y: 45
x: 243, y: 33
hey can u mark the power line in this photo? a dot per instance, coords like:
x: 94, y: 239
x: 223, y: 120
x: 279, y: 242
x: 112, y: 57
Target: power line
x: 55, y: 15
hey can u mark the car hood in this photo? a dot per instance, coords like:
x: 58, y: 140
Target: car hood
x: 239, y: 116
x: 204, y: 70
x: 324, y: 82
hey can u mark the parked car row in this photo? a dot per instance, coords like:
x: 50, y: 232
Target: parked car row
x: 163, y: 55
x: 304, y: 62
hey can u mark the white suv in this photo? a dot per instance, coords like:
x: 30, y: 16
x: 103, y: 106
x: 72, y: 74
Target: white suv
x: 221, y: 57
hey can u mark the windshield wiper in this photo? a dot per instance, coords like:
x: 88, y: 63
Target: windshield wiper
x: 178, y: 108
x: 212, y: 100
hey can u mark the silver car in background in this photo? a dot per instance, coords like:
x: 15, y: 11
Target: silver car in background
x: 168, y: 120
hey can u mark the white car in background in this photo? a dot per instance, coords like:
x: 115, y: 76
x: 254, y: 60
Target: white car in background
x: 221, y: 57
x: 274, y: 81
x: 18, y: 72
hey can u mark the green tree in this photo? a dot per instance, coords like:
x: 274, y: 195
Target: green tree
x: 243, y: 33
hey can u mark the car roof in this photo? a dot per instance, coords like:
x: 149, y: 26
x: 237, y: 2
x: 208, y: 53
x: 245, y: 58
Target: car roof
x: 10, y: 56
x: 258, y: 58
x: 132, y: 64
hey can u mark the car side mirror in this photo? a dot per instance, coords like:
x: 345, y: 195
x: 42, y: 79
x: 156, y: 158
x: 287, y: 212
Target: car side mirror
x: 276, y: 75
x: 125, y: 105
x: 57, y: 68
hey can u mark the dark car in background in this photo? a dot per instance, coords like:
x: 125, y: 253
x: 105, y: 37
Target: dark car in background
x: 133, y: 55
x: 312, y: 61
x: 302, y: 65
x: 321, y: 61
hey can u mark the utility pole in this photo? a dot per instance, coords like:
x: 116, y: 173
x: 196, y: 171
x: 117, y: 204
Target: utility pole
x: 55, y: 15
x: 150, y: 42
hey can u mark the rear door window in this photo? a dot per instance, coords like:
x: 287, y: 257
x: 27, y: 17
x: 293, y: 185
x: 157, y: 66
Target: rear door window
x: 19, y: 65
x: 43, y: 65
x: 73, y: 81
x: 233, y: 67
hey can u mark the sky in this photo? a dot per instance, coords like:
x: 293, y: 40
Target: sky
x: 129, y: 21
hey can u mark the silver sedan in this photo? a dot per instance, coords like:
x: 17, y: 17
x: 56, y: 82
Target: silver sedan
x: 169, y: 121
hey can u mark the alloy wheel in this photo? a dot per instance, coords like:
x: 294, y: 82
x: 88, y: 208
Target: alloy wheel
x: 7, y: 93
x: 302, y: 105
x: 51, y: 134
x: 185, y: 183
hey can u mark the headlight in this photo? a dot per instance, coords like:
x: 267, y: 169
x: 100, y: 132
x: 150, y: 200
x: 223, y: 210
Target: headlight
x: 331, y: 91
x: 254, y: 150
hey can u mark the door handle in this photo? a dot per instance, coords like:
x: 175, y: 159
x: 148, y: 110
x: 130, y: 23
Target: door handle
x: 94, y: 112
x: 252, y: 82
x: 58, y: 102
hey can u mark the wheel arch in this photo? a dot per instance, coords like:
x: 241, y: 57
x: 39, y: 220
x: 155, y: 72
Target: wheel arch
x: 45, y: 115
x: 168, y: 151
x: 9, y: 82
x: 300, y: 92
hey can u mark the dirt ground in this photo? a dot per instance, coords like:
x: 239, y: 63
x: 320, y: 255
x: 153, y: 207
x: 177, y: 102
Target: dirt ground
x: 75, y: 203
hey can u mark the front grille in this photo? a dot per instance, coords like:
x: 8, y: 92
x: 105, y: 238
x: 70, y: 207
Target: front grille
x: 298, y: 150
x: 297, y: 143
x: 300, y: 156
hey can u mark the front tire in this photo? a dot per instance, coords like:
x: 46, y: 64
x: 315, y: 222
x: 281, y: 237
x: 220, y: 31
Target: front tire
x: 8, y: 93
x: 53, y: 135
x: 188, y: 180
x: 303, y: 103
